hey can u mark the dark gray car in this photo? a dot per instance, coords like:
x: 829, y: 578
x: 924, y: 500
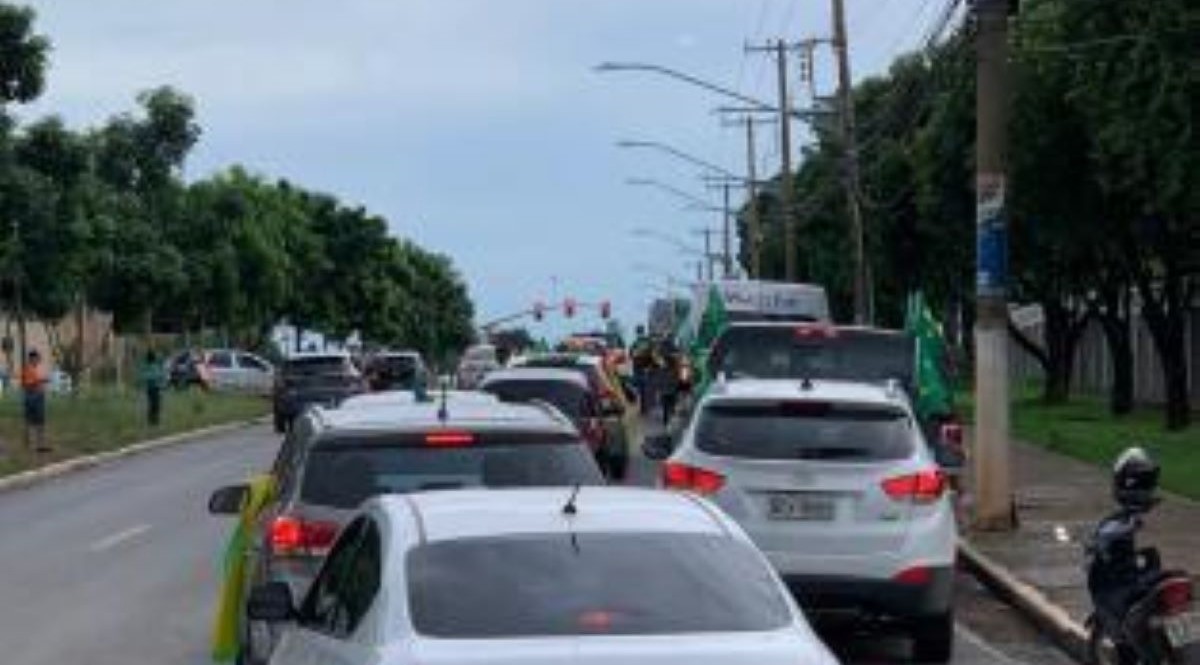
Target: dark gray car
x: 313, y: 378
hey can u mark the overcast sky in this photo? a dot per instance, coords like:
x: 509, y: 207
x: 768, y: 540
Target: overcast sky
x: 477, y: 127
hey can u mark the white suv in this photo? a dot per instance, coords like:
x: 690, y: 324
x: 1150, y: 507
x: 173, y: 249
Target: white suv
x: 835, y: 483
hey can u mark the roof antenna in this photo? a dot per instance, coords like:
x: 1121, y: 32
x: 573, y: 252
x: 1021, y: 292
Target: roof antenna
x: 443, y: 413
x: 806, y: 384
x: 571, y: 509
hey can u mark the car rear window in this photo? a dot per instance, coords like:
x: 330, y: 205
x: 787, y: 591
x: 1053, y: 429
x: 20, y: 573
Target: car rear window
x: 805, y: 431
x: 781, y: 352
x: 588, y: 583
x: 318, y: 366
x: 569, y: 398
x: 343, y: 475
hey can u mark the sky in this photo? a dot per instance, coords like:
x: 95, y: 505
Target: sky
x: 478, y: 128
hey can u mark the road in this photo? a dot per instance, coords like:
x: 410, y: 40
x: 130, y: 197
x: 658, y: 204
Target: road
x: 118, y: 565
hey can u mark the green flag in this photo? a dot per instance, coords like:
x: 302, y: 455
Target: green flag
x: 933, y: 393
x: 712, y: 321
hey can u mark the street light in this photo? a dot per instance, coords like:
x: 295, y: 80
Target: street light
x: 683, y: 247
x: 757, y: 104
x: 685, y: 156
x: 694, y: 202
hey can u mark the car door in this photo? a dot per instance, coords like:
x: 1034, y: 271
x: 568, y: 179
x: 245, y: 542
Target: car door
x: 327, y: 630
x: 256, y: 374
x: 223, y: 370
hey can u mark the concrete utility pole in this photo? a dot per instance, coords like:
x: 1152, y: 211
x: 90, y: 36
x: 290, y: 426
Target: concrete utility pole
x: 726, y: 234
x: 780, y: 49
x: 752, y: 230
x: 994, y: 507
x: 708, y: 255
x: 841, y: 45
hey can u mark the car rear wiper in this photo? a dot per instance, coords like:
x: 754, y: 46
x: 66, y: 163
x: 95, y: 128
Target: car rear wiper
x: 832, y: 452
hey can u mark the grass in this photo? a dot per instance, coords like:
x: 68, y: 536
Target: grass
x: 1084, y: 429
x: 107, y: 418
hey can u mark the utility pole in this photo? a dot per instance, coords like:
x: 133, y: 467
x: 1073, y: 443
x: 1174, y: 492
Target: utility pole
x: 841, y: 45
x: 708, y: 255
x: 752, y: 229
x: 994, y: 506
x: 726, y: 234
x: 780, y: 49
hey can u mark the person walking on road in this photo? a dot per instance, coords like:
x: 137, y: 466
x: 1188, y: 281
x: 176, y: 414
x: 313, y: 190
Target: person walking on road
x: 33, y: 390
x: 153, y: 378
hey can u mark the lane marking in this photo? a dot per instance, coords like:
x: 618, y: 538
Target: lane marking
x: 112, y: 541
x: 979, y: 643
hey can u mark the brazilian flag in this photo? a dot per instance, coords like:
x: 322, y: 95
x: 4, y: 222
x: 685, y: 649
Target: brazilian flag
x: 226, y: 630
x: 933, y: 393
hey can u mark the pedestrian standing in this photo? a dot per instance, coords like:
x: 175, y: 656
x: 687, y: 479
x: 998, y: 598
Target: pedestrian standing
x: 33, y: 391
x: 153, y: 378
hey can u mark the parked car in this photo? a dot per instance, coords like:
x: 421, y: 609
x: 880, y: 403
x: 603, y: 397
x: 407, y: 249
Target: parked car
x: 237, y: 371
x: 476, y: 362
x: 566, y: 391
x: 539, y: 577
x: 394, y: 370
x: 313, y: 378
x: 334, y: 459
x: 835, y: 483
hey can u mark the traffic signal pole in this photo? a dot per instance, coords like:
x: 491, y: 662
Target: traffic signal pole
x: 994, y: 504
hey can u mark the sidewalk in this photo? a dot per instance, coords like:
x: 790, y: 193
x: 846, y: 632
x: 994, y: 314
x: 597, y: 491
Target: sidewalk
x: 1059, y: 502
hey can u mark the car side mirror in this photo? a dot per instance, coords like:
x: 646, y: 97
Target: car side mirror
x: 658, y: 447
x: 271, y: 602
x: 228, y: 500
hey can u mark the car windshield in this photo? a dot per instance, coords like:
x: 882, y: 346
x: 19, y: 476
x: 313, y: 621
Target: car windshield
x: 394, y: 372
x: 567, y: 397
x: 805, y: 431
x: 783, y: 352
x: 342, y: 474
x: 591, y: 583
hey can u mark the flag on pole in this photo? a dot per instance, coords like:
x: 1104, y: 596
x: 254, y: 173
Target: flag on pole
x: 933, y: 393
x: 713, y: 320
x: 227, y: 620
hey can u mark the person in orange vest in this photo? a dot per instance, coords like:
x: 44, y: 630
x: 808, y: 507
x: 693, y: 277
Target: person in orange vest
x: 33, y: 388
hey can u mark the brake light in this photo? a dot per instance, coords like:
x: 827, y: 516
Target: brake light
x: 293, y: 536
x: 815, y: 331
x: 1175, y: 595
x: 915, y: 576
x: 922, y: 487
x: 685, y: 477
x: 449, y: 439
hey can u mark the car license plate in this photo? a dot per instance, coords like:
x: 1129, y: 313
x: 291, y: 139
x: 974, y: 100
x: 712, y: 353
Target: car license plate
x: 800, y: 507
x: 1183, y: 629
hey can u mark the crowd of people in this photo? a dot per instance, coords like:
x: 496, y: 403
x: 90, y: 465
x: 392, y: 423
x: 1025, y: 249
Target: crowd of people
x: 662, y: 373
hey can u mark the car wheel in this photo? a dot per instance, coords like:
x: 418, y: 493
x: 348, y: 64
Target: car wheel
x: 933, y: 639
x: 616, y: 467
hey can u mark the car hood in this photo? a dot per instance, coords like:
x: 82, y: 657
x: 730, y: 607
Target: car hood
x: 791, y: 647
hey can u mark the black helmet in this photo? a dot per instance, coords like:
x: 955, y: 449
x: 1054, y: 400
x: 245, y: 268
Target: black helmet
x: 1135, y: 479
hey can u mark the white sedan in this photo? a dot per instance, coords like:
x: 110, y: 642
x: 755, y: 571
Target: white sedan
x: 619, y: 576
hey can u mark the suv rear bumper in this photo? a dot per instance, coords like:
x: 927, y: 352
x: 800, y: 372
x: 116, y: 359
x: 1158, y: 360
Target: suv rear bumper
x: 822, y: 593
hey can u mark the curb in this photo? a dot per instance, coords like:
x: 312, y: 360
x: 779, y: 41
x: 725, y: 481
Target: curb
x: 49, y: 472
x: 1048, y: 617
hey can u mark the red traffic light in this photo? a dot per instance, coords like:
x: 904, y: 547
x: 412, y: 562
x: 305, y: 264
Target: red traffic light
x: 569, y: 307
x: 605, y: 309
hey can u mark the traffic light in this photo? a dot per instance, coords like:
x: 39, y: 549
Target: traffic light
x: 539, y: 310
x: 569, y: 307
x: 605, y: 309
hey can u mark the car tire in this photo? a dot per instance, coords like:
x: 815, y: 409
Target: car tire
x: 617, y: 465
x: 933, y: 639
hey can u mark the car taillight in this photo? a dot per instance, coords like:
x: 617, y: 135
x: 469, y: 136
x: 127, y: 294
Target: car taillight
x: 1175, y: 595
x: 449, y: 439
x: 685, y: 477
x: 915, y: 576
x: 922, y: 487
x: 294, y: 536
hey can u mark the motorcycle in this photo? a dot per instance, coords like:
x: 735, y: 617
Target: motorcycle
x: 1143, y: 615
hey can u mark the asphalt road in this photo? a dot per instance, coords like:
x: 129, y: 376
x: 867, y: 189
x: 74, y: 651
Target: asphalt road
x: 119, y: 565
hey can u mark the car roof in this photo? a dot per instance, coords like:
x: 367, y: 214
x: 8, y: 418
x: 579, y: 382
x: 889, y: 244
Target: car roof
x: 553, y: 374
x: 396, y: 354
x: 856, y: 392
x: 404, y: 397
x: 425, y: 416
x: 815, y: 324
x: 316, y: 355
x: 565, y: 358
x: 456, y: 514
